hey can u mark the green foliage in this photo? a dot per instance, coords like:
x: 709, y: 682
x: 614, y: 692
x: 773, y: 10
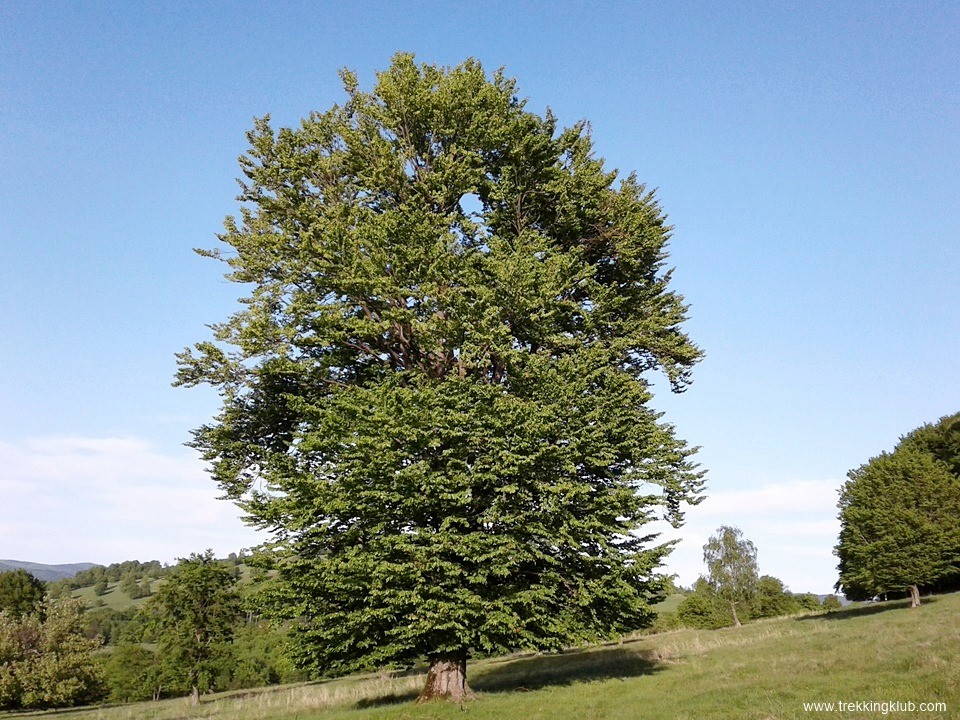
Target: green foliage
x: 115, y: 627
x: 731, y: 563
x: 21, y: 594
x: 134, y: 588
x: 47, y: 663
x: 773, y: 600
x: 831, y: 603
x: 436, y: 396
x: 114, y: 573
x: 100, y: 588
x: 941, y: 440
x: 133, y: 672
x: 666, y: 621
x: 898, y: 515
x: 194, y: 613
x: 807, y: 601
x: 259, y: 658
x: 704, y: 608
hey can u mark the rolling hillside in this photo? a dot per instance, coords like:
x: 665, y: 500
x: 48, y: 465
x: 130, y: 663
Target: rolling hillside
x: 46, y: 572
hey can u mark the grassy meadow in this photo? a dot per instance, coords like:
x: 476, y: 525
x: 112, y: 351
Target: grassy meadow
x: 113, y: 599
x: 765, y: 670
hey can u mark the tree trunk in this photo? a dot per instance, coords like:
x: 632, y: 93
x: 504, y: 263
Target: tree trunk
x: 914, y: 596
x: 447, y: 679
x: 736, y: 620
x: 194, y: 695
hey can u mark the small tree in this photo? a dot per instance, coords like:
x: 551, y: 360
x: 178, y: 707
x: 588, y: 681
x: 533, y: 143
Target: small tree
x: 731, y: 567
x: 21, y: 594
x: 899, y: 529
x: 130, y: 587
x: 194, y: 613
x: 806, y: 601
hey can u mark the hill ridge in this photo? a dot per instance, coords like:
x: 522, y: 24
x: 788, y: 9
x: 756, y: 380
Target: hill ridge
x: 44, y: 571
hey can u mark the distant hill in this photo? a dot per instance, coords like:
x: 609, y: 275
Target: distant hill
x: 46, y: 572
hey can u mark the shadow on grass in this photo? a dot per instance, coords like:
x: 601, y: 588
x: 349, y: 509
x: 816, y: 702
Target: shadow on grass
x: 392, y: 699
x: 865, y: 610
x: 532, y: 673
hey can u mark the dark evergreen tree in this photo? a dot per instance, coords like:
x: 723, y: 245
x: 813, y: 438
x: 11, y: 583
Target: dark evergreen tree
x: 437, y: 394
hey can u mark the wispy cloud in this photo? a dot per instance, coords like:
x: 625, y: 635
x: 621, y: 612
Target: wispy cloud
x: 69, y: 499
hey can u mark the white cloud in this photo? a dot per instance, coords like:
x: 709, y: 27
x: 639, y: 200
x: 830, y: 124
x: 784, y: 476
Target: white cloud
x: 75, y: 499
x: 792, y: 523
x: 794, y: 497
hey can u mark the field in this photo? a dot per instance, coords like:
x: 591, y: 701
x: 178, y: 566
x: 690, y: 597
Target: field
x: 765, y: 670
x: 114, y: 599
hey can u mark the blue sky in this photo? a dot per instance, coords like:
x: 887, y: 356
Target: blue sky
x: 807, y: 155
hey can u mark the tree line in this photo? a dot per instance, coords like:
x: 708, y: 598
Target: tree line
x: 733, y: 591
x: 198, y: 633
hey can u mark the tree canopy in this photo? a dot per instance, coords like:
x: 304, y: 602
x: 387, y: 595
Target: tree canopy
x: 21, y: 593
x: 436, y: 396
x: 47, y: 662
x: 899, y: 516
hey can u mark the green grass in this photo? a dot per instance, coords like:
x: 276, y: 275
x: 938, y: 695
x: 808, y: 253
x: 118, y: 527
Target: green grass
x: 114, y: 598
x: 763, y: 671
x: 670, y: 603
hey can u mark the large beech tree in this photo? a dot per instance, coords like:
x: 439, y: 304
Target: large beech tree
x: 436, y: 396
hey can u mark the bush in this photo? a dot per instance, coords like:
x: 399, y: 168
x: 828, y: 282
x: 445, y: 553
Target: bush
x: 807, y: 601
x: 132, y: 673
x: 49, y: 663
x: 773, y: 600
x: 831, y: 603
x: 704, y: 609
